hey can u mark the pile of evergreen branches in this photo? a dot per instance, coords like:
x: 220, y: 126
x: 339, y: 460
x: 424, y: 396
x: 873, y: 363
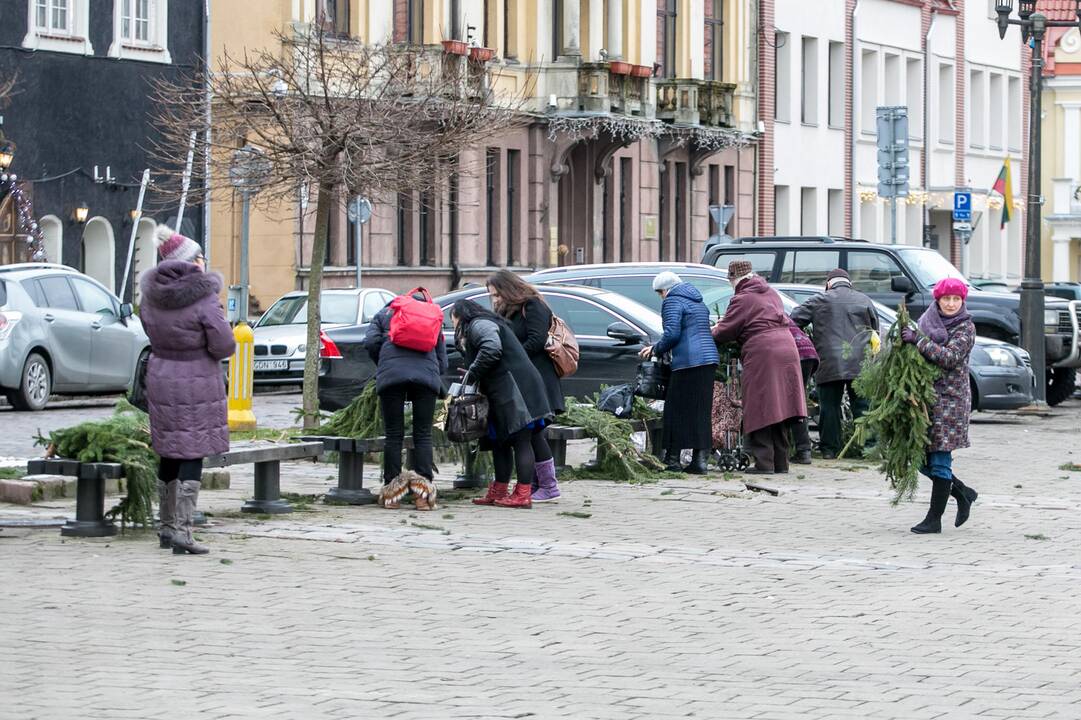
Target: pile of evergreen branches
x: 619, y: 458
x: 899, y: 385
x: 359, y: 419
x: 124, y: 438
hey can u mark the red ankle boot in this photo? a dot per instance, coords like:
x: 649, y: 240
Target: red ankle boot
x: 520, y: 498
x: 496, y: 491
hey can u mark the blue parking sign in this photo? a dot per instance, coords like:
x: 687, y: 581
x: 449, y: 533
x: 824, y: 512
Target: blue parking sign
x: 962, y: 206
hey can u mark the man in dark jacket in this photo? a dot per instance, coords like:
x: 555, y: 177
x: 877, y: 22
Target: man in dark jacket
x: 843, y: 320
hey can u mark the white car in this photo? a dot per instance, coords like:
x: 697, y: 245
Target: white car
x: 281, y: 333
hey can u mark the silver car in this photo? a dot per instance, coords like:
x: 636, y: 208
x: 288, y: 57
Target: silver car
x: 65, y: 333
x: 281, y: 333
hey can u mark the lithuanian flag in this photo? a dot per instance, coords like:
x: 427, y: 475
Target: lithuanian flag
x: 1004, y: 187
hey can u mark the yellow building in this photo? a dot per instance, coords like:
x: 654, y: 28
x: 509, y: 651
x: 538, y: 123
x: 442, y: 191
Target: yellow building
x: 1061, y: 229
x: 641, y: 115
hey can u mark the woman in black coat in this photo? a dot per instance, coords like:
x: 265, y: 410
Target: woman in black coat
x: 529, y: 317
x: 517, y: 404
x: 404, y: 374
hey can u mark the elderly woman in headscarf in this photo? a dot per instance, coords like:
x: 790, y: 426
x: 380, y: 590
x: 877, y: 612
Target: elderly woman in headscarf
x: 945, y: 337
x: 772, y: 381
x: 689, y: 400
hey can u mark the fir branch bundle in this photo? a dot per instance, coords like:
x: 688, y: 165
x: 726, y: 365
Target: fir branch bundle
x: 618, y: 458
x: 899, y: 385
x: 359, y: 419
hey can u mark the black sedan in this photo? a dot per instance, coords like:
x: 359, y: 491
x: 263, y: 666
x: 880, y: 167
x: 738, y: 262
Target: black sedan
x: 610, y: 328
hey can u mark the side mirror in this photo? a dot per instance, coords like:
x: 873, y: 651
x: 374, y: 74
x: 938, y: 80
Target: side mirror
x: 126, y: 311
x: 901, y: 284
x: 624, y: 333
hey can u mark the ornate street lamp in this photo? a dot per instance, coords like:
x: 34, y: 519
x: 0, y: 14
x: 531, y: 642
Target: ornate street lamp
x: 80, y: 213
x: 1033, y: 26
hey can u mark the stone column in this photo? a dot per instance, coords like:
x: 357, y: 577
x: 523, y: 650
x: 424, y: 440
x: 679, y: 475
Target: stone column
x: 615, y: 29
x: 1060, y: 265
x: 596, y: 29
x: 1071, y: 140
x: 572, y: 28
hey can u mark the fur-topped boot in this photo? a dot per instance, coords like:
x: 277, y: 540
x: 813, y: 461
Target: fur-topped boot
x: 423, y: 489
x: 391, y: 494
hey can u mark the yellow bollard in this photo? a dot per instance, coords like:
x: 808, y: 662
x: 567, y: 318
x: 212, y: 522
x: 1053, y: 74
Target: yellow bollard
x: 241, y: 379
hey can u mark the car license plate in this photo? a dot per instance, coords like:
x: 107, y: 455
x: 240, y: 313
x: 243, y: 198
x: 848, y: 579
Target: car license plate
x: 271, y: 364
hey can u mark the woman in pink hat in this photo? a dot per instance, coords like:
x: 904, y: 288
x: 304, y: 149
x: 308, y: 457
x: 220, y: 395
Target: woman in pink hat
x: 945, y: 337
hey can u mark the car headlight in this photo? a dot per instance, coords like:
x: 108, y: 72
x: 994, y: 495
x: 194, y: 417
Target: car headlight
x: 301, y: 348
x: 1050, y: 319
x: 1001, y: 357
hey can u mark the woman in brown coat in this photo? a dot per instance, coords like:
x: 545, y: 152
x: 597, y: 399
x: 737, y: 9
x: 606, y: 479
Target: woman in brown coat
x: 772, y: 382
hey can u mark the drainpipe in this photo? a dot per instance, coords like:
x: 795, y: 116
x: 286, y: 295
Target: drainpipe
x: 927, y: 142
x: 856, y: 78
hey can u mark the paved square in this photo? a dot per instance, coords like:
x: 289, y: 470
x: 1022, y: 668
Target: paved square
x: 688, y: 598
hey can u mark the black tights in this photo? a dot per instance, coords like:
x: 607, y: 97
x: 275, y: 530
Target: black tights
x: 539, y: 441
x: 515, y: 454
x: 174, y: 469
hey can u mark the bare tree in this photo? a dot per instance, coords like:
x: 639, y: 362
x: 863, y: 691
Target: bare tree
x: 344, y: 117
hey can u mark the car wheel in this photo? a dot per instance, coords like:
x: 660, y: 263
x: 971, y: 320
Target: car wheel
x: 35, y: 386
x: 1060, y: 384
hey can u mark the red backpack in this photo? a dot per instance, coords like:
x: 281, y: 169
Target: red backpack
x: 415, y: 324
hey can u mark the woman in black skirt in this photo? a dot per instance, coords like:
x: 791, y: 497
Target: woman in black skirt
x: 689, y: 401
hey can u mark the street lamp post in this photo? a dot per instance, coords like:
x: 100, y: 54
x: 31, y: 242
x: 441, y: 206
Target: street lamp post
x: 1033, y: 26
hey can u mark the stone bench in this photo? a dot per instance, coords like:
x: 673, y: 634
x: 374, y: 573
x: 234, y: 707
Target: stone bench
x: 91, y: 477
x: 559, y: 435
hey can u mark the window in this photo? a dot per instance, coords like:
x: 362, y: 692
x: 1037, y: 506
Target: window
x: 350, y: 241
x: 373, y: 303
x: 334, y: 225
x: 977, y: 109
x: 93, y: 299
x: 408, y: 21
x: 625, y: 179
x: 891, y: 77
x: 491, y: 214
x: 140, y: 30
x: 809, y: 267
x: 334, y: 16
x: 808, y: 221
x: 427, y: 230
x: 665, y: 243
x: 871, y: 272
x: 781, y: 225
x: 513, y: 163
x: 584, y: 318
x: 33, y: 289
x: 58, y: 294
x: 666, y: 36
x: 835, y: 212
x: 510, y: 32
x: 762, y: 261
x: 405, y: 222
x: 782, y: 109
x: 914, y: 96
x: 809, y: 82
x: 868, y: 91
x: 714, y: 37
x: 714, y: 197
x: 836, y: 85
x: 454, y: 184
x: 681, y: 211
x: 60, y: 26
x: 1013, y: 112
x: 996, y: 112
x: 946, y: 104
x: 557, y: 29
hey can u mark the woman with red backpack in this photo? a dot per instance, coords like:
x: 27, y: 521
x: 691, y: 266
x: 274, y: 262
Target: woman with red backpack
x: 405, y: 341
x: 529, y: 317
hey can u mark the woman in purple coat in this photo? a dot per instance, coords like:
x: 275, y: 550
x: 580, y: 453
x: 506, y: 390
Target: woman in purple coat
x: 185, y: 386
x: 772, y: 384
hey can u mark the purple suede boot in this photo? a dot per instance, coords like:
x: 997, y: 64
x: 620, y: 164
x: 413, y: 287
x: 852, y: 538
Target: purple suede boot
x: 547, y: 488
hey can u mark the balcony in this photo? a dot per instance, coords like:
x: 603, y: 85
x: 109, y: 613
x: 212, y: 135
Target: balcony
x: 705, y: 103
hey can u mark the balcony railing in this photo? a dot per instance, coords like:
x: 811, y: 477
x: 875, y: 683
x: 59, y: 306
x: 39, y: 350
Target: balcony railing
x: 695, y: 102
x: 601, y: 90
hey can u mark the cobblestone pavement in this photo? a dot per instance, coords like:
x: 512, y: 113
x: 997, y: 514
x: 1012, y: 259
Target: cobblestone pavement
x: 686, y: 598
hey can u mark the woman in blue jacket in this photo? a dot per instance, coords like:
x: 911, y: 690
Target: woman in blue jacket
x: 689, y: 400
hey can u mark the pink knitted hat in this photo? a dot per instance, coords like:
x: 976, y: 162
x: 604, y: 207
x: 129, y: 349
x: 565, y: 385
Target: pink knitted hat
x: 950, y: 286
x: 174, y: 246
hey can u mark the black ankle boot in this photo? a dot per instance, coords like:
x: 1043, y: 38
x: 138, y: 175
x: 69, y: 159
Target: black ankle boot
x: 671, y: 461
x: 699, y: 463
x: 965, y: 496
x: 940, y: 495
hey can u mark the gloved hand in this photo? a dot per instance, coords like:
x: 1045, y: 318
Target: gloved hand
x: 909, y: 335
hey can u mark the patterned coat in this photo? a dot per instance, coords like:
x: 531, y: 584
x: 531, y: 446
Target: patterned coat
x: 949, y: 416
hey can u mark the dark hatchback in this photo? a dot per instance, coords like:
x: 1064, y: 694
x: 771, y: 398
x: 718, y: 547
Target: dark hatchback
x: 610, y: 328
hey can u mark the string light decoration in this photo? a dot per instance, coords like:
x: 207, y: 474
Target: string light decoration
x: 24, y: 210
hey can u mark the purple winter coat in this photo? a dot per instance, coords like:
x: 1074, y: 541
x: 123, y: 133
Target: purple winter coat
x: 189, y: 337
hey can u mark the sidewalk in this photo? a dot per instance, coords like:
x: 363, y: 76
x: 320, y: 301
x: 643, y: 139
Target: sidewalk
x: 688, y: 598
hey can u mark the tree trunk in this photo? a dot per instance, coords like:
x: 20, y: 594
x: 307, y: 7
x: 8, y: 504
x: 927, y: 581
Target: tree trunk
x: 315, y: 285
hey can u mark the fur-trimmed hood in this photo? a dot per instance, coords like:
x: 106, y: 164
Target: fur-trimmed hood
x: 175, y: 284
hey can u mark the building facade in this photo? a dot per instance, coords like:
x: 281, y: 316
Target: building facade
x: 641, y: 114
x: 834, y: 63
x: 80, y: 121
x: 1061, y: 231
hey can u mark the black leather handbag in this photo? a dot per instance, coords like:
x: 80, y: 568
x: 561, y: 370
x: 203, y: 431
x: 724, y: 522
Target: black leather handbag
x: 467, y: 416
x: 651, y: 381
x: 137, y: 396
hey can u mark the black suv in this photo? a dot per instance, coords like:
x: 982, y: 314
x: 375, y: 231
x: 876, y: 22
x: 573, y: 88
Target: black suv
x: 891, y: 274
